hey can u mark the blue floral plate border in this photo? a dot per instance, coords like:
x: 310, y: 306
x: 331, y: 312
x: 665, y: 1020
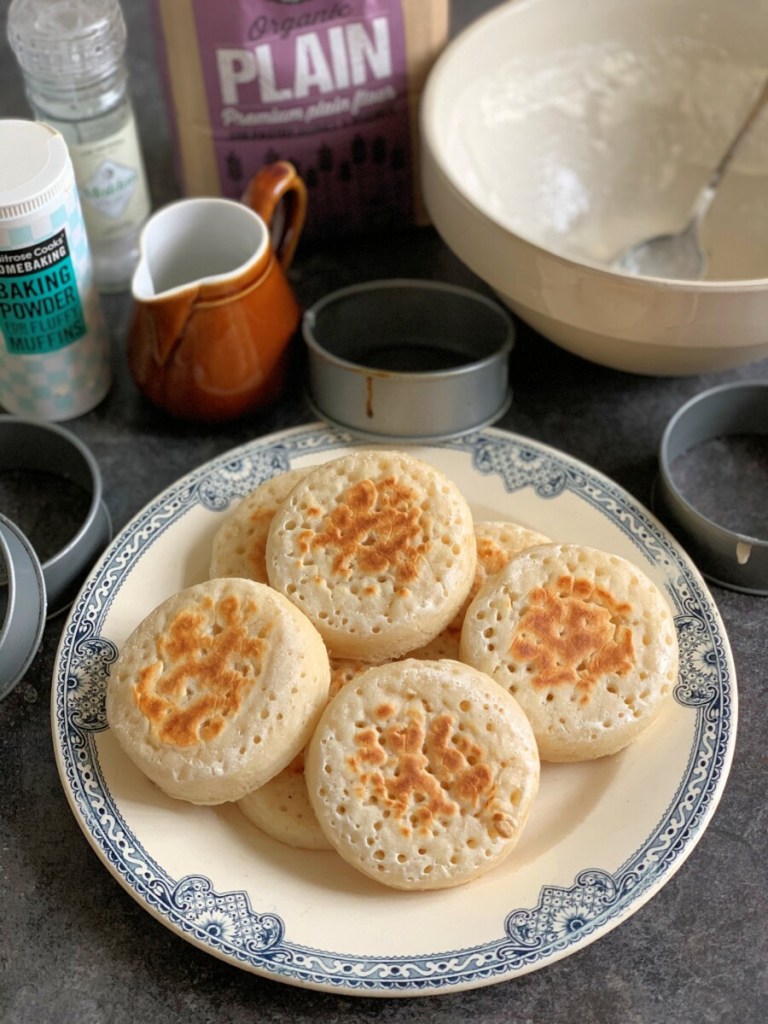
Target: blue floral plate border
x: 562, y: 918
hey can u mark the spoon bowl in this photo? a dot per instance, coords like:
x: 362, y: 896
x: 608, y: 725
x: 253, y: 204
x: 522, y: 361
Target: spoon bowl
x: 680, y: 255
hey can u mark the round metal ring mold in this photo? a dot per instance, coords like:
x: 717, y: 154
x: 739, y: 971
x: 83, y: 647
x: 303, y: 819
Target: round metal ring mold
x: 22, y: 624
x: 34, y: 445
x: 408, y: 360
x: 737, y: 561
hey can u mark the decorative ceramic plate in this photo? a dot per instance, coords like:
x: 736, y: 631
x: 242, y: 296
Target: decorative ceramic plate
x: 602, y: 838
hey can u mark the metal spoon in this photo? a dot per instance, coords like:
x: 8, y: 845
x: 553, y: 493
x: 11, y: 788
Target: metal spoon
x: 680, y: 255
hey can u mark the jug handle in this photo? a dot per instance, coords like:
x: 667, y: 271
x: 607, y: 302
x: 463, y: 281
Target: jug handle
x: 275, y: 184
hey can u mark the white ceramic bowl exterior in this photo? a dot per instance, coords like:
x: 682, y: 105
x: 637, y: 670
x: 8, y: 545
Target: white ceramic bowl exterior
x: 555, y: 134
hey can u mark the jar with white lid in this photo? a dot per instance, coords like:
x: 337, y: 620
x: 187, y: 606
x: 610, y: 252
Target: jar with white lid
x: 54, y: 347
x: 71, y: 53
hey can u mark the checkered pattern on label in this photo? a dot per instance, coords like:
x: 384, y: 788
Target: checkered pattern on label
x: 57, y: 386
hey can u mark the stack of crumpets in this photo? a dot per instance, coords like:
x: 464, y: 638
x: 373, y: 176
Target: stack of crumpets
x: 370, y: 671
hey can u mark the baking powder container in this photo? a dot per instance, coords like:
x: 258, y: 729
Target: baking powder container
x: 54, y: 348
x: 730, y: 558
x: 408, y: 360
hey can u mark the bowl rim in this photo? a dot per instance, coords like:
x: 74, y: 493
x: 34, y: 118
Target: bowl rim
x: 431, y: 138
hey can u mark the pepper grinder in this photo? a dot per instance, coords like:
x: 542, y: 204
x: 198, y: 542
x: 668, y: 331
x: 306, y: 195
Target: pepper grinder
x: 71, y: 53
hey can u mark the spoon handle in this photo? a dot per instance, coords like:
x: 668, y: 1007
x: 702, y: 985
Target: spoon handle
x: 749, y: 120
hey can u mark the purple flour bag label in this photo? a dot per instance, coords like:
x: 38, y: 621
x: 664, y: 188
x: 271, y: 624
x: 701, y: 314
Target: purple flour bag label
x: 325, y: 84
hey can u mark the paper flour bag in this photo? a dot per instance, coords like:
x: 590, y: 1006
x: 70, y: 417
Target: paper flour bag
x: 331, y: 85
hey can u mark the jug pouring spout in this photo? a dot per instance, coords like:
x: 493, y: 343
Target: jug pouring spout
x: 159, y: 323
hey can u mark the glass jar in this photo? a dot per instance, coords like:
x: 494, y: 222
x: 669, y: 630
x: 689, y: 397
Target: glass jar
x: 72, y: 55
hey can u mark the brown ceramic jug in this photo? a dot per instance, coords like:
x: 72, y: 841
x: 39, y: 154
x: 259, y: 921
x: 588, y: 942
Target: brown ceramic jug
x: 213, y: 311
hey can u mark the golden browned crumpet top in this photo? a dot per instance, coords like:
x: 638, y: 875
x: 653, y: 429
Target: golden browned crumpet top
x: 217, y: 689
x: 583, y: 639
x: 422, y: 773
x: 377, y: 548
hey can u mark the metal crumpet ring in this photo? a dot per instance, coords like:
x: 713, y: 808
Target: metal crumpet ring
x: 25, y: 605
x: 408, y: 360
x: 33, y: 590
x: 732, y: 559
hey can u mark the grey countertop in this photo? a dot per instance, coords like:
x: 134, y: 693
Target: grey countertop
x: 74, y: 946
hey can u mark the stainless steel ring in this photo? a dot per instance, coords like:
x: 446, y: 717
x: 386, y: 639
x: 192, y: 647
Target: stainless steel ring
x: 408, y: 360
x: 737, y: 561
x: 34, y: 591
x: 25, y: 605
x: 33, y: 445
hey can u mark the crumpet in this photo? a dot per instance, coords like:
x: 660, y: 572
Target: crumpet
x: 497, y: 544
x: 218, y: 689
x: 377, y: 548
x: 583, y: 639
x: 239, y: 545
x: 281, y: 807
x: 422, y: 773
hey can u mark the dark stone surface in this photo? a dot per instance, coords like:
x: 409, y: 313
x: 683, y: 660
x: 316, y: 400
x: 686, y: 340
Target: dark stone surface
x: 74, y: 946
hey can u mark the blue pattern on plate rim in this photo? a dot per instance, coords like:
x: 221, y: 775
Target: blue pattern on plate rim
x: 564, y: 918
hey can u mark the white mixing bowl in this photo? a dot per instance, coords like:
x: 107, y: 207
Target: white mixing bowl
x: 556, y: 133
